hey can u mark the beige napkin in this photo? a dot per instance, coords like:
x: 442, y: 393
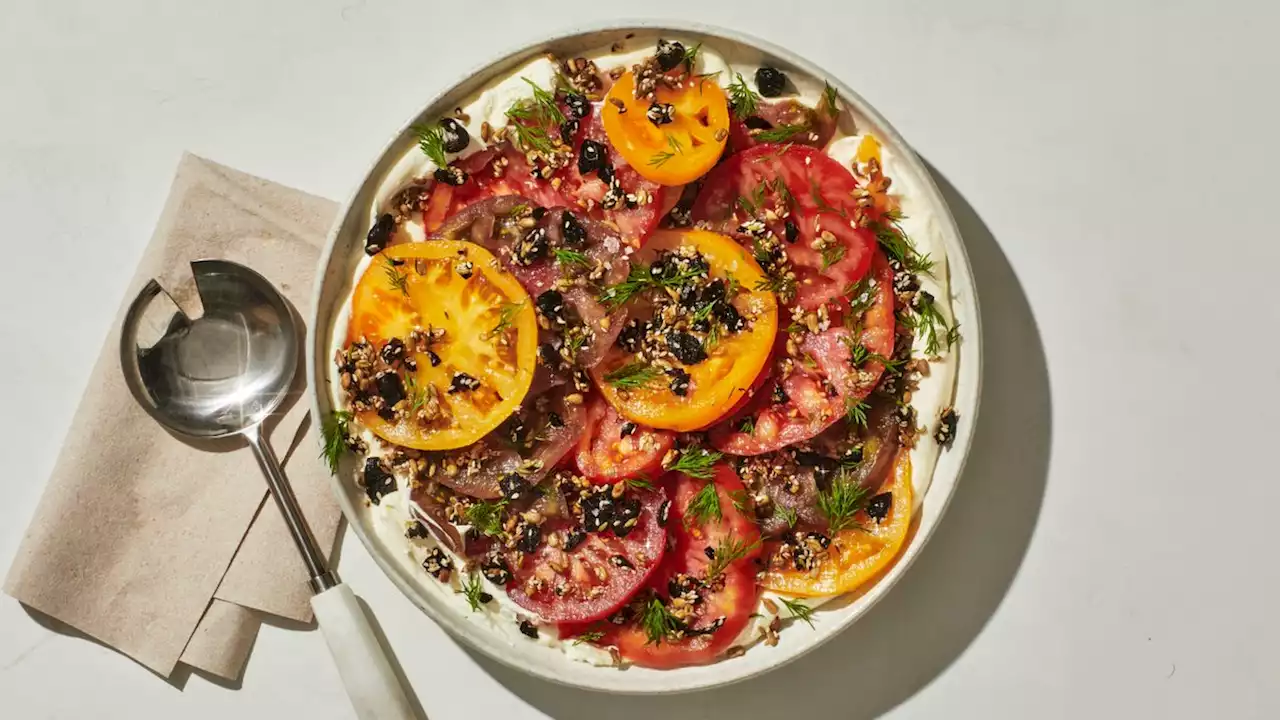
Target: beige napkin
x: 162, y: 550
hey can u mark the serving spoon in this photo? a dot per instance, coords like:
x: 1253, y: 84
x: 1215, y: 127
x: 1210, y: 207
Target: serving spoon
x: 223, y: 374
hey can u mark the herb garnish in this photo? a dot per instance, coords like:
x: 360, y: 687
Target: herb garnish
x: 742, y: 99
x: 589, y: 636
x: 398, y: 280
x: 855, y: 412
x: 335, y: 438
x: 660, y: 159
x: 798, y: 610
x: 729, y: 551
x: 633, y: 375
x: 473, y: 589
x: 748, y: 425
x: 829, y: 99
x: 924, y: 317
x: 640, y: 483
x: 861, y: 296
x: 781, y: 133
x: 486, y: 516
x: 859, y: 355
x: 895, y: 243
x: 431, y: 141
x: 816, y: 193
x: 704, y: 506
x: 691, y: 56
x: 832, y: 253
x: 842, y: 501
x: 529, y: 119
x: 696, y: 462
x: 787, y: 515
x: 564, y: 256
x: 506, y: 316
x: 640, y: 280
x: 658, y: 622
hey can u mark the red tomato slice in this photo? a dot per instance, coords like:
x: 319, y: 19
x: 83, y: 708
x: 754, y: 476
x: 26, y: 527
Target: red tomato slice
x: 598, y: 575
x: 782, y: 116
x: 822, y: 384
x: 607, y: 454
x: 724, y: 607
x: 818, y: 194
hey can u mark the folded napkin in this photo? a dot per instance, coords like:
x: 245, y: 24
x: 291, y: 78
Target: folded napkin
x: 167, y: 550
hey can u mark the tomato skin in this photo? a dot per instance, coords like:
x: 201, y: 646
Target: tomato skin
x: 676, y: 152
x: 643, y: 548
x: 604, y: 455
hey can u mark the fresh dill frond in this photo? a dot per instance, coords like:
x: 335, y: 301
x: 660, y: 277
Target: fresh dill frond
x: 398, y: 280
x: 861, y: 296
x: 416, y: 394
x: 832, y: 253
x: 787, y: 515
x: 781, y: 133
x: 640, y: 483
x: 473, y: 589
x: 798, y: 610
x: 841, y: 501
x: 542, y: 108
x: 639, y: 281
x: 741, y: 501
x: 742, y: 99
x: 923, y: 317
x: 747, y: 425
x: 704, y: 77
x: 730, y: 550
x: 658, y: 622
x: 816, y: 193
x: 784, y: 193
x: 895, y: 243
x: 529, y: 137
x: 506, y: 316
x: 691, y: 56
x: 589, y: 636
x: 696, y: 462
x: 855, y: 412
x: 431, y: 141
x: 830, y: 100
x: 675, y: 148
x: 704, y: 506
x: 781, y: 285
x: 565, y: 256
x: 632, y: 376
x: 334, y: 428
x: 859, y: 355
x: 486, y: 516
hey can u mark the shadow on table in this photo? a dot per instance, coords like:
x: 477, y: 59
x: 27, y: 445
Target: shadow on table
x: 958, y: 581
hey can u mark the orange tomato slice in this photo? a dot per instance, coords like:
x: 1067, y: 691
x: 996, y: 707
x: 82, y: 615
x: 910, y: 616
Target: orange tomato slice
x: 490, y: 334
x: 673, y: 153
x: 856, y: 555
x: 733, y: 362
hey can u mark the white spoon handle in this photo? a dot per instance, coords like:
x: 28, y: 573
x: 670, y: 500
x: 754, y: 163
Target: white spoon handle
x: 372, y: 685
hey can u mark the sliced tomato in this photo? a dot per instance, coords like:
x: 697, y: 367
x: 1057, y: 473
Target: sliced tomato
x: 855, y: 555
x: 597, y: 576
x: 731, y: 364
x: 786, y: 120
x: 822, y: 384
x: 415, y: 286
x: 679, y: 150
x: 818, y: 199
x: 725, y: 604
x: 613, y: 448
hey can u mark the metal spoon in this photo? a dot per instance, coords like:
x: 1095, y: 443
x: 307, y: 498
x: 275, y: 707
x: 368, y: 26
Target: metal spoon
x: 223, y: 374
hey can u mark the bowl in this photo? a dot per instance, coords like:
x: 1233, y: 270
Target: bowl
x: 344, y: 250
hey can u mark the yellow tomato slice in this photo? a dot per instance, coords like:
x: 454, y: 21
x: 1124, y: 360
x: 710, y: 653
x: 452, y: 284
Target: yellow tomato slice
x: 490, y: 333
x: 733, y: 362
x: 673, y: 153
x: 856, y: 555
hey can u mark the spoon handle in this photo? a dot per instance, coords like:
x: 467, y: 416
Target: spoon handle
x: 283, y: 493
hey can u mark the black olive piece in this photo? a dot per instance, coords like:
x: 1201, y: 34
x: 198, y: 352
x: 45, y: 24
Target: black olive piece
x: 606, y: 175
x: 451, y: 175
x: 730, y: 317
x: 377, y: 481
x: 392, y: 351
x: 567, y: 130
x: 713, y: 292
x: 456, y: 137
x: 878, y: 506
x: 702, y: 325
x: 379, y: 234
x: 779, y: 395
x: 852, y: 456
x: 626, y: 512
x: 533, y: 246
x: 538, y: 213
x: 514, y: 486
x: 530, y: 537
x: 659, y: 267
x: 551, y: 304
x: 390, y: 388
x: 770, y: 81
x: 669, y: 55
x: 710, y: 552
x: 529, y: 629
x: 591, y: 157
x: 698, y: 265
x: 495, y: 570
x: 632, y: 336
x: 462, y: 382
x: 433, y: 358
x: 791, y: 231
x: 484, y: 598
x: 517, y: 431
x: 574, y: 538
x: 686, y: 348
x: 628, y: 428
x: 679, y: 382
x: 597, y: 511
x: 755, y: 122
x: 579, y: 105
x: 436, y: 563
x: 664, y: 513
x: 554, y: 420
x: 621, y: 562
x: 689, y: 297
x: 417, y: 531
x: 574, y: 234
x: 548, y: 354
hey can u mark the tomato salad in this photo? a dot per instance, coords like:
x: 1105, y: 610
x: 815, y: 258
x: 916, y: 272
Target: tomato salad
x: 643, y: 360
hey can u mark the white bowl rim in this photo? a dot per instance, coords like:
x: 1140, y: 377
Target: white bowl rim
x: 969, y: 366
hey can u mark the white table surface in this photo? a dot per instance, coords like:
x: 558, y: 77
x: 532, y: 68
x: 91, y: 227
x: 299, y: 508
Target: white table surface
x: 1108, y: 553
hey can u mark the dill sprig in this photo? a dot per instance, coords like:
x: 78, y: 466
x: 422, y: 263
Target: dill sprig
x: 473, y: 589
x: 895, y: 243
x: 397, y: 279
x: 798, y: 610
x: 830, y: 98
x: 565, y: 256
x: 704, y: 506
x: 660, y: 159
x: 639, y: 483
x: 658, y: 622
x: 787, y: 515
x: 589, y: 636
x: 855, y: 412
x: 781, y: 133
x: 704, y: 77
x: 506, y: 316
x: 529, y: 119
x: 416, y: 393
x: 486, y: 516
x: 832, y: 253
x: 431, y: 141
x: 632, y: 376
x: 816, y: 193
x: 841, y: 501
x: 639, y: 281
x: 924, y: 317
x: 335, y: 438
x: 696, y: 462
x: 742, y: 99
x: 730, y: 550
x: 747, y: 425
x: 784, y: 193
x: 780, y: 285
x: 861, y: 296
x: 859, y: 355
x: 691, y: 56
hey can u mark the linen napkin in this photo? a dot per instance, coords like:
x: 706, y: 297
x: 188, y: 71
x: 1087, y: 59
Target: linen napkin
x: 163, y: 549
